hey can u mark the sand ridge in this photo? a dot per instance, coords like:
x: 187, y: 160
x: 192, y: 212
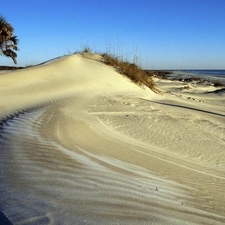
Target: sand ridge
x: 82, y: 144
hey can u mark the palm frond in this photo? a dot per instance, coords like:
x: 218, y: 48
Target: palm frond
x: 3, y: 22
x: 10, y: 53
x: 14, y: 40
x: 8, y: 40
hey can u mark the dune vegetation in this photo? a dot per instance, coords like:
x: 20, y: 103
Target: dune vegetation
x: 131, y: 70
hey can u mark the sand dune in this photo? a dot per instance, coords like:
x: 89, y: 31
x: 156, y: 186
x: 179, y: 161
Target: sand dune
x: 82, y: 144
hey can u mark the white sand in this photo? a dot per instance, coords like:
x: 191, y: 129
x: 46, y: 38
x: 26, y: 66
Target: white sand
x: 81, y: 144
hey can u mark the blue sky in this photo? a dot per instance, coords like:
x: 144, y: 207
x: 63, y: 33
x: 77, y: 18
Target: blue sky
x: 164, y: 34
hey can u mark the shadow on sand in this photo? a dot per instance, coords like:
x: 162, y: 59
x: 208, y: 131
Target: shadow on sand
x: 184, y: 107
x: 4, y: 220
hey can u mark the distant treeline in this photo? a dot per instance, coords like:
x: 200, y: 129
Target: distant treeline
x: 11, y: 67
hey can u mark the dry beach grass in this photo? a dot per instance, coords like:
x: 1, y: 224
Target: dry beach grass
x: 82, y: 144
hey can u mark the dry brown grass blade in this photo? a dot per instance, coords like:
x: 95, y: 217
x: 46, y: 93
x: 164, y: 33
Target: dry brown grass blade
x: 131, y: 70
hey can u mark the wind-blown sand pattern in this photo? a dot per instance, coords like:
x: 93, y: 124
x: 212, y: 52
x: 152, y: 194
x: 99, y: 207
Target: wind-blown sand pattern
x: 81, y: 144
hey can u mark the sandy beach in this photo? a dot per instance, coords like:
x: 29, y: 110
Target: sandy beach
x: 82, y: 144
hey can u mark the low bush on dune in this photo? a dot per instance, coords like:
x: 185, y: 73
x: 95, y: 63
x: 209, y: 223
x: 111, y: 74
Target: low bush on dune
x: 130, y: 70
x: 218, y: 84
x: 87, y: 50
x: 199, y: 80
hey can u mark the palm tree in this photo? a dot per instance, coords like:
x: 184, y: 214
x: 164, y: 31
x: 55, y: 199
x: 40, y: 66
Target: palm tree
x: 8, y: 41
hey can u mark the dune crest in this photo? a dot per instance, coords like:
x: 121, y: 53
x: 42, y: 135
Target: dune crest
x: 82, y: 144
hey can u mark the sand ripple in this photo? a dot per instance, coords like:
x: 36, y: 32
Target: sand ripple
x: 48, y: 178
x: 81, y: 144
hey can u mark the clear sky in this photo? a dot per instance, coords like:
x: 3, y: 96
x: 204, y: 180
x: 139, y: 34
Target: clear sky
x: 164, y: 34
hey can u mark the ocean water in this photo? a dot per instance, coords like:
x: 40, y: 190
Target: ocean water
x: 206, y: 75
